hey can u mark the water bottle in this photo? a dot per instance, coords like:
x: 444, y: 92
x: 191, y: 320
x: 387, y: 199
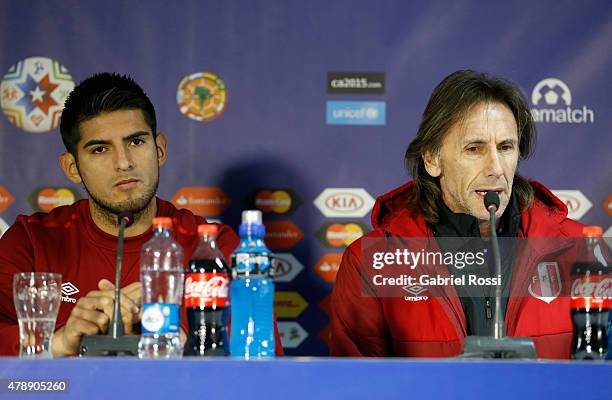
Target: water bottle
x: 161, y: 276
x: 251, y: 292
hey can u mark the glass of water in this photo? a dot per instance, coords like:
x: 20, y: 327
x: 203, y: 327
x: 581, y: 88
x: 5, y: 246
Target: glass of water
x: 37, y: 297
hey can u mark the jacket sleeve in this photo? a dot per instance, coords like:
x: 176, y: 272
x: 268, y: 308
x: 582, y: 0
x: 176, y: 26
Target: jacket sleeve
x: 16, y: 255
x: 358, y: 324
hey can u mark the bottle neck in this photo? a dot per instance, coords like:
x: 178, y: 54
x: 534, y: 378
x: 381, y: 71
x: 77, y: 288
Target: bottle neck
x: 595, y: 251
x: 252, y: 232
x: 208, y: 240
x: 161, y: 232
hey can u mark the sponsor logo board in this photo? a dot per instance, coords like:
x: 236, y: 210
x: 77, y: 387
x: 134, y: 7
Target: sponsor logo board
x: 356, y: 82
x: 289, y: 304
x: 46, y: 199
x: 607, y: 205
x: 577, y: 203
x: 285, y: 267
x: 344, y: 202
x: 327, y: 266
x: 3, y: 227
x: 339, y: 234
x: 553, y: 103
x: 33, y: 91
x: 5, y: 199
x: 282, y: 235
x: 202, y: 96
x: 291, y: 333
x: 207, y: 201
x: 275, y: 201
x: 356, y: 113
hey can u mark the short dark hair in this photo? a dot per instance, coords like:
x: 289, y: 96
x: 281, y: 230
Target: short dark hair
x: 448, y: 104
x: 101, y: 93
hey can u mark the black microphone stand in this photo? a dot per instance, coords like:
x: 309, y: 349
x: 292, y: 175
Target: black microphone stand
x: 498, y: 345
x: 114, y: 343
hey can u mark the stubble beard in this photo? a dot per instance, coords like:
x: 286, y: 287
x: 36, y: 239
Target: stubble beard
x: 110, y: 212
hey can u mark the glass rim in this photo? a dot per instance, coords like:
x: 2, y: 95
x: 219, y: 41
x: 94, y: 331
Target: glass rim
x: 53, y: 275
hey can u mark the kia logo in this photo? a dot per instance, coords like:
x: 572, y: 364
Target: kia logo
x: 280, y: 267
x: 572, y: 203
x: 344, y: 202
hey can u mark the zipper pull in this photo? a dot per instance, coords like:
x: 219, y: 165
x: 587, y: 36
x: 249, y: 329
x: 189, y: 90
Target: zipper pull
x: 488, y: 308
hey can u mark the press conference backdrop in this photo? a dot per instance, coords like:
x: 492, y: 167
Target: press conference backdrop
x: 302, y: 109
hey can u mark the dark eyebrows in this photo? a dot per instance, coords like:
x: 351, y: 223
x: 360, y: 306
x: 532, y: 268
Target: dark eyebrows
x: 137, y: 135
x: 481, y: 141
x: 474, y: 141
x: 98, y: 142
x: 508, y: 141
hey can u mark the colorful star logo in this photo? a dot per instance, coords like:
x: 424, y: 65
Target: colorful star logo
x: 37, y: 94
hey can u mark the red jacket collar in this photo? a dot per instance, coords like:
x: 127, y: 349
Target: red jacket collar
x: 393, y: 214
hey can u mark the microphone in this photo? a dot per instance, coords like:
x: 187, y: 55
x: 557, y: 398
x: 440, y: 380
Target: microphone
x: 114, y: 343
x: 497, y: 345
x: 491, y: 199
x: 126, y: 217
x: 491, y: 202
x: 116, y: 327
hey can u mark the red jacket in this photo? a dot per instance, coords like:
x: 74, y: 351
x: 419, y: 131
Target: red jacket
x: 68, y: 242
x: 436, y: 327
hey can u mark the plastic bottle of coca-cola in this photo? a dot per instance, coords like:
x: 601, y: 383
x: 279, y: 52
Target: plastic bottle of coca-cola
x: 206, y: 297
x: 591, y: 296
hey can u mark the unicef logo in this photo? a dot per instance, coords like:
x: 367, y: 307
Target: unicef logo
x: 33, y: 93
x: 552, y: 103
x: 202, y: 96
x: 371, y: 113
x: 551, y: 90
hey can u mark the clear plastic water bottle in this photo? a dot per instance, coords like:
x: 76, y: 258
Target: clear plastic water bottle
x: 251, y: 292
x: 161, y: 275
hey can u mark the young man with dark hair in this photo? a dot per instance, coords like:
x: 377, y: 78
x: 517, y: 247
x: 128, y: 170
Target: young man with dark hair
x: 474, y: 131
x: 113, y: 148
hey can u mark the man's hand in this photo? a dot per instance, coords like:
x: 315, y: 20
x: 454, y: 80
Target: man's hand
x: 93, y: 313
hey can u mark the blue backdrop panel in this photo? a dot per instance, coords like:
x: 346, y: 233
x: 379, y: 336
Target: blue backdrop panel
x: 274, y: 57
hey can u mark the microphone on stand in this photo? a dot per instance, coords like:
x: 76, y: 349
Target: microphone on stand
x: 491, y: 202
x: 498, y: 345
x: 116, y: 328
x: 114, y: 343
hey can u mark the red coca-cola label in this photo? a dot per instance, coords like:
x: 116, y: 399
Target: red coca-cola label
x: 594, y: 291
x: 206, y: 290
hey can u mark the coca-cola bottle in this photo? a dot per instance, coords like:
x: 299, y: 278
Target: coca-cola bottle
x: 591, y: 295
x: 206, y: 297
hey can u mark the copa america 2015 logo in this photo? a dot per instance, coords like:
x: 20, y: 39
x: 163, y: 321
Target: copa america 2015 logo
x: 33, y: 93
x: 202, y: 96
